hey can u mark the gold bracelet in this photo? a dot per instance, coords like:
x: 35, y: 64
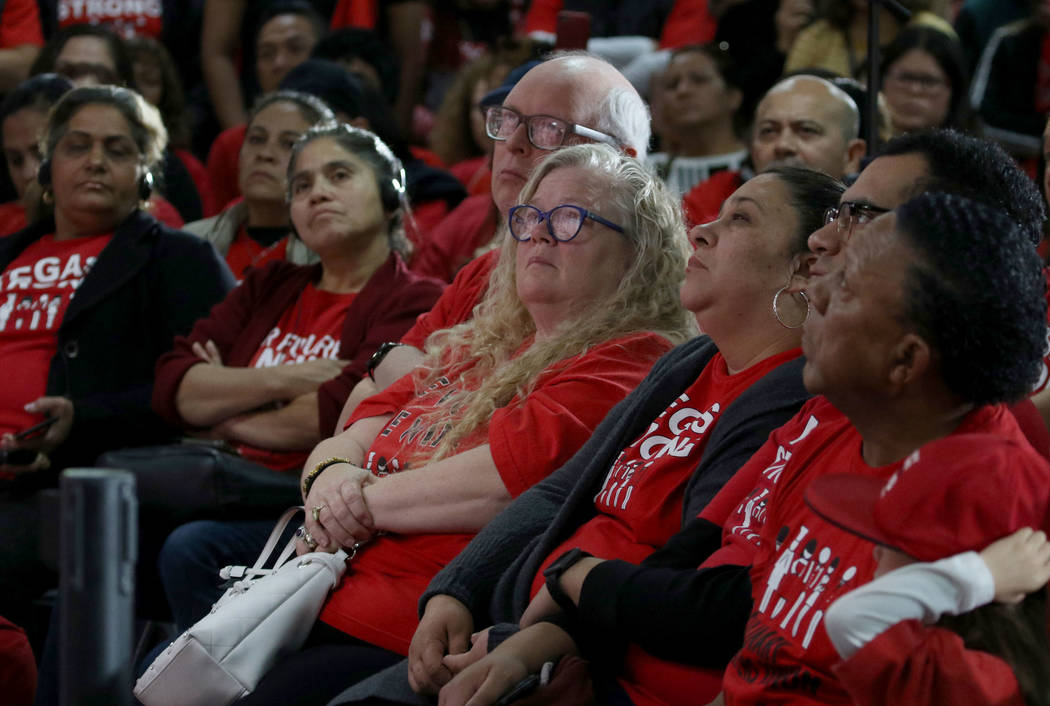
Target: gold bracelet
x: 308, y: 481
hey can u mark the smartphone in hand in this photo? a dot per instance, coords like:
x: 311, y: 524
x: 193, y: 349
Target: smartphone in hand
x: 35, y: 430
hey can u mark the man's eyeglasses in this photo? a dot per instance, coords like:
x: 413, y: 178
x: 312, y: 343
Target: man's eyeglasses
x: 848, y: 214
x: 563, y: 222
x: 545, y: 132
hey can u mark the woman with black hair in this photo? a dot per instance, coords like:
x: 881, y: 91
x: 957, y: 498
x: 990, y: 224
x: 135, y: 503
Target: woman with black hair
x: 23, y: 115
x: 695, y: 103
x: 924, y: 81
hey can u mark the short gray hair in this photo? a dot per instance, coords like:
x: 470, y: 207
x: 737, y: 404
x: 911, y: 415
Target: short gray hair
x: 147, y: 127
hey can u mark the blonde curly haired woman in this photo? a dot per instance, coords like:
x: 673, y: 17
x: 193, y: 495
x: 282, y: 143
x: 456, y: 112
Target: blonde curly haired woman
x: 582, y: 302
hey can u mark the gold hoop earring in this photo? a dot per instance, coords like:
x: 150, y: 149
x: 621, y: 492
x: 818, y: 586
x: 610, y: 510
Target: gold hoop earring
x: 776, y: 312
x: 47, y: 197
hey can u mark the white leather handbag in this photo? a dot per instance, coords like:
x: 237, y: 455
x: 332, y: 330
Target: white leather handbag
x: 264, y: 615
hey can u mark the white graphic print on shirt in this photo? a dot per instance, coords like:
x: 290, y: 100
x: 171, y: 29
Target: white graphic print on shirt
x: 23, y: 307
x: 681, y: 428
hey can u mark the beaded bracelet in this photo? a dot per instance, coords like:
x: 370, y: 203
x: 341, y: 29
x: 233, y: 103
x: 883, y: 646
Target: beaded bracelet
x: 308, y: 481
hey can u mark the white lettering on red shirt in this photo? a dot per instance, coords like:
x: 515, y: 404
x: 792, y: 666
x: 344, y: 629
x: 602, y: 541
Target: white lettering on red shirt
x: 35, y: 291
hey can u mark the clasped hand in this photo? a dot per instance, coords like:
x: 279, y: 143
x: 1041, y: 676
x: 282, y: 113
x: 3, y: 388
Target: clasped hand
x: 343, y: 518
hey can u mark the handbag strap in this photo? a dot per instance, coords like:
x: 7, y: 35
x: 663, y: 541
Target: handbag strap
x: 244, y: 572
x: 275, y: 536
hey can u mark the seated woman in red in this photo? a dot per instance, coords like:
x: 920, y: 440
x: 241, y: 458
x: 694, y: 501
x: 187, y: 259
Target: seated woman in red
x: 270, y: 368
x: 254, y: 230
x: 90, y: 297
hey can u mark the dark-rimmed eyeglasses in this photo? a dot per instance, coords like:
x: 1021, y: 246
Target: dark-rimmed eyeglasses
x: 545, y: 132
x: 848, y: 214
x: 563, y: 222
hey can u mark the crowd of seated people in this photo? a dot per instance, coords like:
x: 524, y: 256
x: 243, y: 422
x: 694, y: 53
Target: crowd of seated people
x: 612, y: 342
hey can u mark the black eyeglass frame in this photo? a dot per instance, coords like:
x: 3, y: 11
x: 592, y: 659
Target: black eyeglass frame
x: 848, y: 214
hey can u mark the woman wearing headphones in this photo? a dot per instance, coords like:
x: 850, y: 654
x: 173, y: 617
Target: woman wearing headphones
x: 269, y: 370
x: 79, y: 370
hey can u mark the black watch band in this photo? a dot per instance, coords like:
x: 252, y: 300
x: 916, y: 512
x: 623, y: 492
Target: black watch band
x: 552, y: 576
x: 378, y: 356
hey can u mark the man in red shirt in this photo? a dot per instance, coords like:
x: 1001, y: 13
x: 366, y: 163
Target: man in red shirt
x: 801, y: 120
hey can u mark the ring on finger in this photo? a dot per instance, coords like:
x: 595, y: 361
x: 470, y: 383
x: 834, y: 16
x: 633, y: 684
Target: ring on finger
x: 302, y: 534
x: 316, y: 512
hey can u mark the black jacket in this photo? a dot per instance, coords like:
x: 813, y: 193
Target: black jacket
x: 149, y: 284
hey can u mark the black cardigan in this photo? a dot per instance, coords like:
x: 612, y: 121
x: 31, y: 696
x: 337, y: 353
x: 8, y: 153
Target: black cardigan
x: 149, y: 284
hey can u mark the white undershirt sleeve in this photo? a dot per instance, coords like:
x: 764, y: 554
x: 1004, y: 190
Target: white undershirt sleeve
x: 920, y: 591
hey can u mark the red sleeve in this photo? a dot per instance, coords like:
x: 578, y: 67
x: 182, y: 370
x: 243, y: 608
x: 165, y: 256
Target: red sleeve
x: 222, y: 165
x: 457, y: 302
x: 223, y: 325
x: 913, y: 664
x: 688, y: 23
x: 17, y: 666
x: 20, y: 24
x: 451, y: 244
x: 703, y: 202
x: 567, y: 403
x: 397, y: 395
x: 543, y: 16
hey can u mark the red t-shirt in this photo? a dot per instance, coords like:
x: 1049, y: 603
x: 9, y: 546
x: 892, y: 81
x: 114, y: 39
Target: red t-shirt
x: 915, y: 664
x: 35, y: 290
x: 12, y: 217
x: 245, y: 253
x: 801, y: 562
x: 453, y: 242
x: 703, y: 202
x: 640, y: 504
x: 308, y: 330
x: 20, y: 24
x: 457, y: 302
x: 528, y: 439
x: 126, y: 18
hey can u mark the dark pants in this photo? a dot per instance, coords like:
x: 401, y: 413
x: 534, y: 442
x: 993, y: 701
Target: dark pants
x: 193, y: 554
